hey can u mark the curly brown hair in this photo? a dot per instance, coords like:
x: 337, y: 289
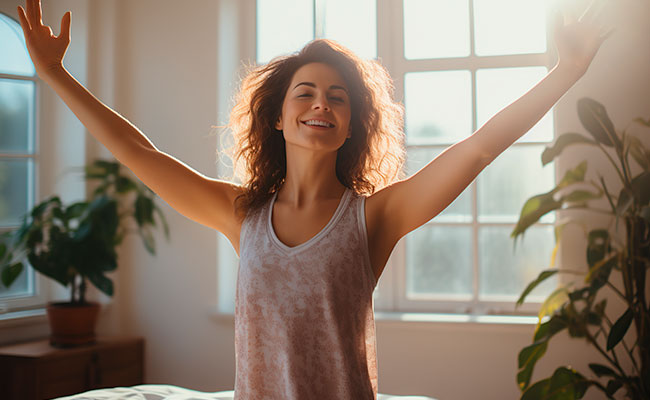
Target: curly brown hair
x: 371, y: 159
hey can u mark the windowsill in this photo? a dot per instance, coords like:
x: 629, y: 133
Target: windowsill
x: 32, y: 317
x: 26, y: 317
x: 411, y: 317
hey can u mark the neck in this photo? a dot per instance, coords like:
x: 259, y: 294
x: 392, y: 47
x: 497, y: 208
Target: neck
x: 311, y: 178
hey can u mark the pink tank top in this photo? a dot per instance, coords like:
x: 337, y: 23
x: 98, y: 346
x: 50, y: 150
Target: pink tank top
x: 304, y: 318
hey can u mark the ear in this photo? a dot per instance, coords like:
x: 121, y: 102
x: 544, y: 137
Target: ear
x: 278, y: 123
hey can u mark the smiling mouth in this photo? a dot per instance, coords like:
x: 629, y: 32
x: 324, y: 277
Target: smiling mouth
x: 318, y: 123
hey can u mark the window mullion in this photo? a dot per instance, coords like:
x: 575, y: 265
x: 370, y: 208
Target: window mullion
x: 474, y: 307
x: 319, y: 19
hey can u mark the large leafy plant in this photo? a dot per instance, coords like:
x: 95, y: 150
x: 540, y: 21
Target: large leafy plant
x: 574, y: 307
x: 76, y: 243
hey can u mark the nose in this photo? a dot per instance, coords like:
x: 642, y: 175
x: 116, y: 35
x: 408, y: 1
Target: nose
x: 321, y: 103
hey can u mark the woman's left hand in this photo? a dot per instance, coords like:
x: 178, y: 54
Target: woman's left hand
x: 578, y: 41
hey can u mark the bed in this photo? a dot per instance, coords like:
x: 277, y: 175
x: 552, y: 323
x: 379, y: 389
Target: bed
x: 170, y: 392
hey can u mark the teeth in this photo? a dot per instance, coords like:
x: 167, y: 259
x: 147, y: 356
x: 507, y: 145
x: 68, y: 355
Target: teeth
x: 319, y: 123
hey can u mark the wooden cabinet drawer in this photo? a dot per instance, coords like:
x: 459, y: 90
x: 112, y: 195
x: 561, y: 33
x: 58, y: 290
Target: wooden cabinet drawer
x: 38, y: 371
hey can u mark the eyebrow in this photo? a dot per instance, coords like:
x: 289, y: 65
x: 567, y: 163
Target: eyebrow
x: 311, y: 84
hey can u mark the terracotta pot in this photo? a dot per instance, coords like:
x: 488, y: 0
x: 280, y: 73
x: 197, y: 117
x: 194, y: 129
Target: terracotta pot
x: 72, y: 324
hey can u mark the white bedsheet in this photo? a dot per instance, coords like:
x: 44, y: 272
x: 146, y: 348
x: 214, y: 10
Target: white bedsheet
x: 170, y: 392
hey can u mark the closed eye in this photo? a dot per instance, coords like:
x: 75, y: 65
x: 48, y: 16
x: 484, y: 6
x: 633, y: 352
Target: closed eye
x: 337, y: 99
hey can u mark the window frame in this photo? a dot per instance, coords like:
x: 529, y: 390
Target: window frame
x: 390, y: 295
x: 40, y: 285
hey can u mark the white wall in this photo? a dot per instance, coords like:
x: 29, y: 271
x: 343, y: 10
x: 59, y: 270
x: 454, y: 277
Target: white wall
x: 157, y: 64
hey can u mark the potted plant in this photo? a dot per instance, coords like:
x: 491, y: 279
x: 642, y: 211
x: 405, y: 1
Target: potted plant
x: 575, y: 308
x: 76, y: 243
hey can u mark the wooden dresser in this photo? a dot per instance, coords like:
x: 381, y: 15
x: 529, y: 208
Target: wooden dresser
x: 36, y: 370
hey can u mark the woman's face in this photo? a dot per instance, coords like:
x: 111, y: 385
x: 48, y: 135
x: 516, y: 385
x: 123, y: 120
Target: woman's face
x: 316, y: 108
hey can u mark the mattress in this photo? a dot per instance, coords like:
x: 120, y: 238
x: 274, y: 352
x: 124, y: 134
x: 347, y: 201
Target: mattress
x: 170, y: 392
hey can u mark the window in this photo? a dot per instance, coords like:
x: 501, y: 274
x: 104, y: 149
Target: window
x: 18, y: 94
x: 455, y: 63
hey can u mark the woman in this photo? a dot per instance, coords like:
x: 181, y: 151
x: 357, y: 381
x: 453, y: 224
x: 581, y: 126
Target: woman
x: 319, y: 142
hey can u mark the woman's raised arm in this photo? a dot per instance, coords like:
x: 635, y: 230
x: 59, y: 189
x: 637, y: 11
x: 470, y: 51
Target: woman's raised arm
x: 202, y: 199
x: 431, y: 189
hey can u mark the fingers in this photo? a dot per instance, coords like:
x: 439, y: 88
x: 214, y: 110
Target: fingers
x: 65, y: 26
x: 38, y: 19
x: 608, y: 34
x: 593, y: 11
x: 23, y: 21
x: 34, y: 13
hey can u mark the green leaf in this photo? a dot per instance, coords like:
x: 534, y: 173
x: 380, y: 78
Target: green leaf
x: 625, y: 200
x: 39, y: 209
x: 111, y: 167
x: 594, y: 118
x: 101, y: 282
x: 575, y: 175
x: 534, y: 208
x: 600, y: 307
x: 549, y: 328
x: 642, y: 121
x: 612, y: 386
x: 567, y: 384
x: 95, y: 171
x: 554, y: 301
x: 10, y: 273
x: 637, y: 152
x: 539, y: 390
x: 532, y: 353
x: 641, y: 188
x: 162, y: 218
x: 596, y: 271
x: 579, y: 294
x: 75, y: 210
x: 619, y: 329
x: 82, y: 231
x: 541, y: 278
x: 602, y: 370
x: 58, y: 213
x: 148, y: 240
x: 598, y: 246
x: 580, y: 196
x: 124, y: 185
x: 144, y: 210
x: 593, y: 318
x: 562, y: 141
x: 537, y: 206
x: 101, y: 189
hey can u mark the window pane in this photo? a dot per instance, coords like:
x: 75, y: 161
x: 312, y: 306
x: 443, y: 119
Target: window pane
x: 15, y: 58
x: 496, y: 88
x: 504, y: 274
x: 509, y: 27
x: 439, y: 262
x: 14, y: 178
x: 512, y: 178
x: 353, y: 24
x: 283, y: 26
x: 438, y: 106
x: 460, y: 210
x: 436, y: 28
x: 16, y: 98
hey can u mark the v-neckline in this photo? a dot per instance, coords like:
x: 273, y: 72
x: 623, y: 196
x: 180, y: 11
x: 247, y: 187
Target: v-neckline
x: 313, y: 239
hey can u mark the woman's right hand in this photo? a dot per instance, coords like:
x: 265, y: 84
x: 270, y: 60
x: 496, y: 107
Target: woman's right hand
x: 45, y: 49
